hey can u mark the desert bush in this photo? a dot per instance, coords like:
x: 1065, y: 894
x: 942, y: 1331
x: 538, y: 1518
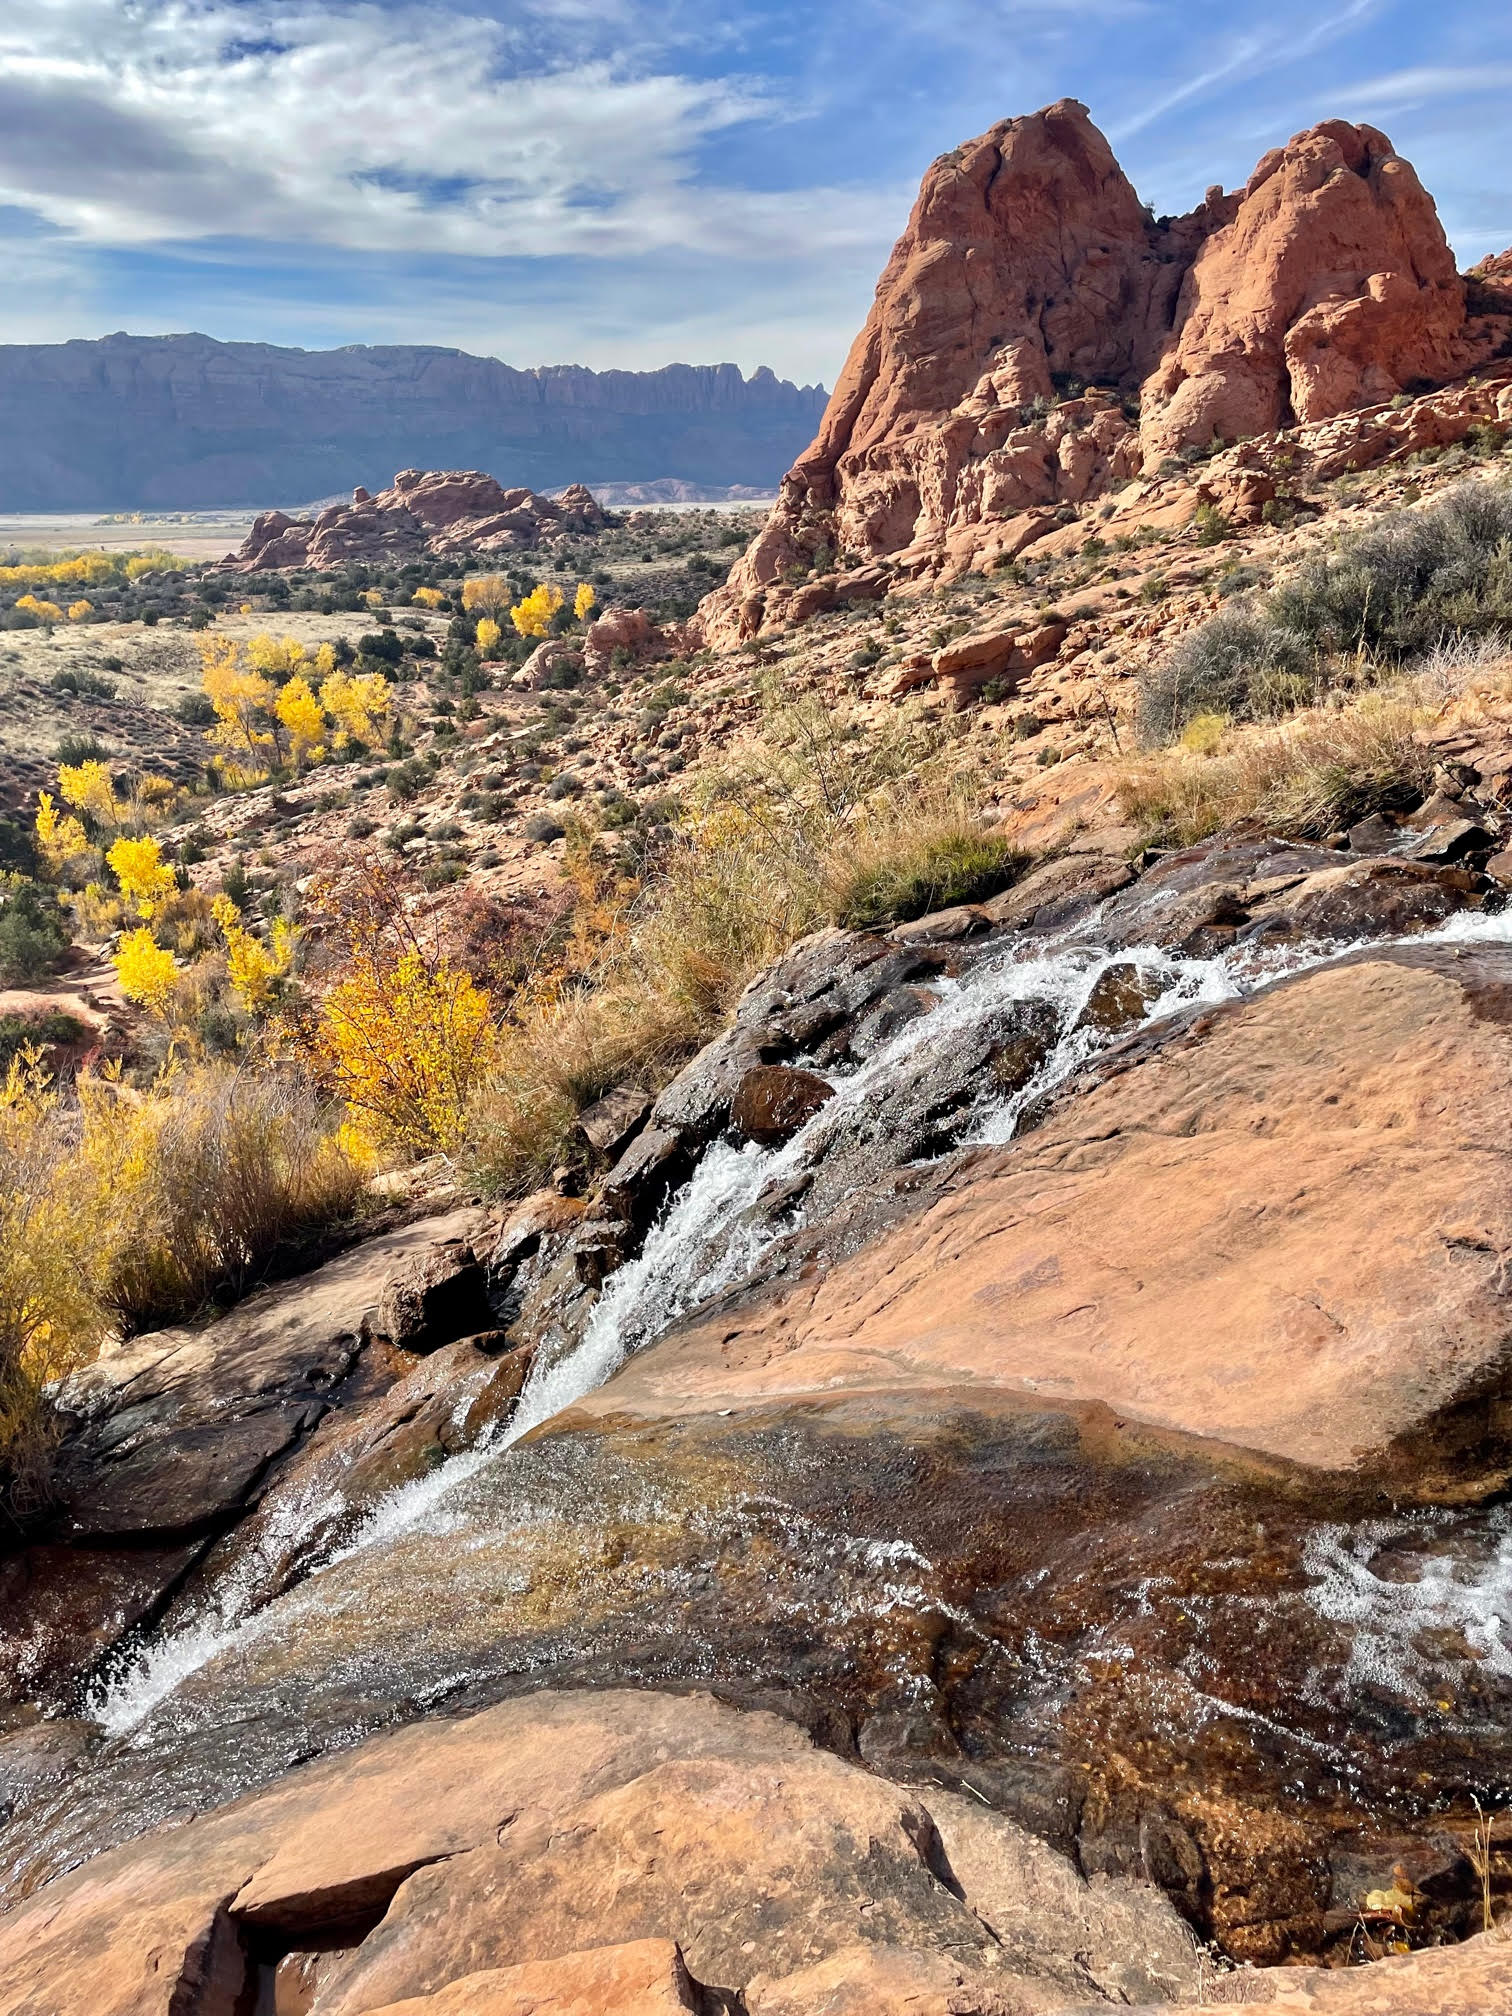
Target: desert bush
x: 33, y: 932
x: 405, y: 1037
x: 37, y: 1029
x: 1239, y: 663
x: 214, y: 1173
x: 1384, y: 596
x: 1327, y: 767
x: 1417, y: 577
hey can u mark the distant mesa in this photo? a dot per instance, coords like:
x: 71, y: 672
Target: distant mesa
x: 188, y: 423
x: 422, y: 514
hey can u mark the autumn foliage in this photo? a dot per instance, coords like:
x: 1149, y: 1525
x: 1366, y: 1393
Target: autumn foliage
x: 405, y: 1037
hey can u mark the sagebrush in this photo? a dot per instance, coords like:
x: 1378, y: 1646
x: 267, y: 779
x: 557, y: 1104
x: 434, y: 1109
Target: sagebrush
x: 1384, y: 596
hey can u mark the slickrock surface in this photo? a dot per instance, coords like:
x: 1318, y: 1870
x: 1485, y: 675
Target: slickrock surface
x: 1283, y: 1230
x: 504, y: 1845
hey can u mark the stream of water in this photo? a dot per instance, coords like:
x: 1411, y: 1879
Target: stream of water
x: 712, y: 1236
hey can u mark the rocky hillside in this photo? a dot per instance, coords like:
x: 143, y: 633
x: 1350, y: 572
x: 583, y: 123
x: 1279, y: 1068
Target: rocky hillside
x: 422, y: 514
x: 920, y: 1423
x: 185, y: 422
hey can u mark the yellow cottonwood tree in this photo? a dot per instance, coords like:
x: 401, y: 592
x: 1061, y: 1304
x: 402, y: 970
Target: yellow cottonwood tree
x: 407, y: 1040
x: 300, y: 712
x: 77, y: 611
x: 583, y: 601
x: 486, y: 592
x: 254, y: 969
x: 428, y: 598
x: 145, y: 971
x: 243, y: 699
x: 144, y: 876
x: 488, y: 635
x: 532, y: 616
x: 359, y: 705
x: 60, y: 837
x: 88, y: 788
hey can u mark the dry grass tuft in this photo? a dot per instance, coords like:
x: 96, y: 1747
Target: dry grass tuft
x: 1325, y: 768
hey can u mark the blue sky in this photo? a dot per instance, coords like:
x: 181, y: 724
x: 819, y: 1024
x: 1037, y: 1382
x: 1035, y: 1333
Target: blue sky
x: 612, y: 182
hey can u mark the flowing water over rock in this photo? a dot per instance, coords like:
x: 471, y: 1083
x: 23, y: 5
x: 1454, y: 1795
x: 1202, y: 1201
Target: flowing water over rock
x: 1102, y: 1628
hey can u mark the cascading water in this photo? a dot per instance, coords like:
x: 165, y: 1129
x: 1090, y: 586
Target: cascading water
x: 712, y: 1235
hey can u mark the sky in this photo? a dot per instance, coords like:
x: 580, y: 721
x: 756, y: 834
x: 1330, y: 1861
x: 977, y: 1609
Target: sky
x: 633, y: 182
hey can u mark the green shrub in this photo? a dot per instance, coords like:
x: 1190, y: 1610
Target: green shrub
x: 36, y: 1031
x: 1385, y: 595
x: 1239, y: 663
x: 32, y: 931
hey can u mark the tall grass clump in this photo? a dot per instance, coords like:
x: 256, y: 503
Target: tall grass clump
x: 810, y: 824
x: 220, y: 1174
x: 1320, y: 771
x: 121, y: 1208
x: 1384, y: 596
x: 54, y: 1272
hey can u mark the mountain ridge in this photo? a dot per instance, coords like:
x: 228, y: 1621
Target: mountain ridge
x: 187, y: 421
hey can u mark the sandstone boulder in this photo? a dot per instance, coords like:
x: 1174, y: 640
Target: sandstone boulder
x: 568, y: 1845
x: 618, y: 629
x: 434, y: 1295
x: 1273, y: 1231
x: 645, y: 1978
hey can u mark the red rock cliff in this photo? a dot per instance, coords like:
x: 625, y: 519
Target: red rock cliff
x: 1038, y: 339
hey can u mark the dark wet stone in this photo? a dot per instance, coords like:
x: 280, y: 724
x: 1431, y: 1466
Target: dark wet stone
x: 1121, y: 998
x: 610, y: 1122
x: 774, y: 1101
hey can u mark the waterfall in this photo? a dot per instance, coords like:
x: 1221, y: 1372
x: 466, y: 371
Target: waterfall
x: 711, y: 1235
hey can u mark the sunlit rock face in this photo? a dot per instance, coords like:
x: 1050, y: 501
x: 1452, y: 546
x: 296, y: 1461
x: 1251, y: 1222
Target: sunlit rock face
x: 1039, y: 339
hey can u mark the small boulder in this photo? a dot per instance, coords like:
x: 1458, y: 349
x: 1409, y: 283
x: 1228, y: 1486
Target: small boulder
x: 773, y: 1101
x: 434, y: 1297
x: 609, y: 1123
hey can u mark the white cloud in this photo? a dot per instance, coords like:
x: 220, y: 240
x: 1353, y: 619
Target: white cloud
x: 417, y: 128
x: 1423, y: 85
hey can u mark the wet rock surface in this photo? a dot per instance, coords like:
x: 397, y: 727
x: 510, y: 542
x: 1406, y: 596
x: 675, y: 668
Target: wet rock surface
x: 1091, y: 1421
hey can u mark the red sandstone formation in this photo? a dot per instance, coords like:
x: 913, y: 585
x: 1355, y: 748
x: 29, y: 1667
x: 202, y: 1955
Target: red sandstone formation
x: 424, y: 512
x: 1328, y: 286
x: 1032, y: 301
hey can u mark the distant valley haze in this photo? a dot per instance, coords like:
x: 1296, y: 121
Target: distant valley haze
x: 495, y: 200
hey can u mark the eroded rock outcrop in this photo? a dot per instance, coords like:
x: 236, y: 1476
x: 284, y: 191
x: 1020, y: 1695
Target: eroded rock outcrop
x: 1038, y: 339
x: 677, y: 1841
x: 1328, y: 285
x: 422, y: 512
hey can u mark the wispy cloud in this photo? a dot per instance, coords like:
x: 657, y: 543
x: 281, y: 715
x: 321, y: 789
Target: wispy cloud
x: 627, y: 180
x: 1283, y: 43
x: 1425, y: 85
x: 401, y: 129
